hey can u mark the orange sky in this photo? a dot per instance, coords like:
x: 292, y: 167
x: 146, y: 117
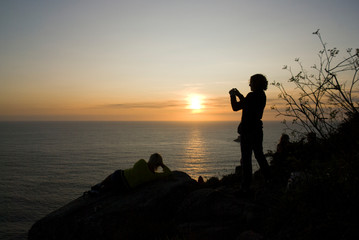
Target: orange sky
x: 190, y: 108
x: 143, y: 60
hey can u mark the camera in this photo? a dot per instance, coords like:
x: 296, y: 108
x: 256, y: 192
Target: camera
x: 234, y: 91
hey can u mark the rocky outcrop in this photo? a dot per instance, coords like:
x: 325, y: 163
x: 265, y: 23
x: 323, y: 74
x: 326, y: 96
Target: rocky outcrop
x: 173, y: 208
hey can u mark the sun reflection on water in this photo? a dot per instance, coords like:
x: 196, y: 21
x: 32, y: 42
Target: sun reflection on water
x: 195, y: 153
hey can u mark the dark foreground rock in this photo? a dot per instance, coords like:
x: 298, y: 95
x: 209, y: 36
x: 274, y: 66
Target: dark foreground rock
x: 174, y: 208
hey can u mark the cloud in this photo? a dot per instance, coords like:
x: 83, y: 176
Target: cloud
x: 221, y: 102
x: 207, y: 103
x: 275, y: 101
x: 147, y: 105
x: 218, y: 102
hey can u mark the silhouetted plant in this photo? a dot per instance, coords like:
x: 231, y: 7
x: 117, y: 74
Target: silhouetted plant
x: 327, y: 94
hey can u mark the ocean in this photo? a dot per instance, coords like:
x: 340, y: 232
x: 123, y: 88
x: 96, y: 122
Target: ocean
x: 44, y: 165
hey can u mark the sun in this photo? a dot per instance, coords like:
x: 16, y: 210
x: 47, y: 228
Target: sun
x: 195, y: 102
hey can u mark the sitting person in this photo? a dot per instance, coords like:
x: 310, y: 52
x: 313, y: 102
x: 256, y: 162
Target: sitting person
x: 124, y: 180
x: 284, y: 144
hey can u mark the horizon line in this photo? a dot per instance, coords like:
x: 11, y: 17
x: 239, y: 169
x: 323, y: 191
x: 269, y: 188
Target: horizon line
x: 2, y: 121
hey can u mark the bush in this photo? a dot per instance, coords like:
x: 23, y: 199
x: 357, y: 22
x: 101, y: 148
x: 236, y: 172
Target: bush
x: 326, y: 95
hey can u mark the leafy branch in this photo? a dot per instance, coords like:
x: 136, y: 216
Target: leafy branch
x: 323, y: 98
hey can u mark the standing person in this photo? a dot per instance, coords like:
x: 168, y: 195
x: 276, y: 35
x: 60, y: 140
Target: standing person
x: 251, y: 127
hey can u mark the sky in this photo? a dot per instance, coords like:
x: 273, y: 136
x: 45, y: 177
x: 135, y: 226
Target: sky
x: 156, y: 60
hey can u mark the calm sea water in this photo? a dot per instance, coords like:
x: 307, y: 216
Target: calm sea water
x: 44, y: 165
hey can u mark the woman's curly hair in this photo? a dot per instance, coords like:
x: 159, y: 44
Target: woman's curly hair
x: 259, y: 82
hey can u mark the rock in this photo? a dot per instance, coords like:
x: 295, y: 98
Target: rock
x: 250, y: 235
x: 177, y: 207
x: 113, y: 216
x: 209, y: 214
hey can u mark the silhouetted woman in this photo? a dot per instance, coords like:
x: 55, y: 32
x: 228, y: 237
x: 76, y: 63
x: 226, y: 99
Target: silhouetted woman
x: 251, y: 127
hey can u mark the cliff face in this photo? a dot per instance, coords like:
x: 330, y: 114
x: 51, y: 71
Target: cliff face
x: 322, y: 205
x: 172, y: 208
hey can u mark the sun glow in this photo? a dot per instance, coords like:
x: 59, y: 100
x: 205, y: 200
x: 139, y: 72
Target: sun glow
x: 195, y: 103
